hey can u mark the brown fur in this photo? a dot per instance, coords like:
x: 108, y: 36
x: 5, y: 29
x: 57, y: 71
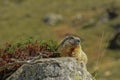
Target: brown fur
x: 67, y: 50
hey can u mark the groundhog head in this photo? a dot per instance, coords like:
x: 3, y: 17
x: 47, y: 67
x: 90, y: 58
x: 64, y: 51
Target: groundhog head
x: 71, y: 41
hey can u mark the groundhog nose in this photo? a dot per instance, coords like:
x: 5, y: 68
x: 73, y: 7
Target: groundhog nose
x: 78, y: 40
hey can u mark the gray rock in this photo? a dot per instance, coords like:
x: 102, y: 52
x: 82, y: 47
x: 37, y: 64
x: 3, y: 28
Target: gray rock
x: 53, y: 19
x: 114, y: 43
x: 52, y: 69
x: 103, y: 19
x: 117, y: 27
x: 78, y: 19
x: 112, y: 12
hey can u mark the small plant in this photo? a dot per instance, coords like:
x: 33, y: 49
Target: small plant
x: 22, y: 51
x: 95, y: 74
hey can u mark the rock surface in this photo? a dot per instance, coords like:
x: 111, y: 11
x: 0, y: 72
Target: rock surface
x: 52, y: 69
x: 53, y: 19
x: 114, y: 43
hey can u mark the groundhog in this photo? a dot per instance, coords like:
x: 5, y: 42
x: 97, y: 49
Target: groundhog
x: 70, y: 47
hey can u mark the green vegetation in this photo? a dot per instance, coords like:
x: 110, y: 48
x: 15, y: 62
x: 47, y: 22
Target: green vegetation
x: 23, y: 18
x: 22, y: 51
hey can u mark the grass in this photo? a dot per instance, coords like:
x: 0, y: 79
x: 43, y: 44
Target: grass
x: 24, y: 19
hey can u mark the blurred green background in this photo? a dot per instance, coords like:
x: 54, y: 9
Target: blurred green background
x: 53, y: 19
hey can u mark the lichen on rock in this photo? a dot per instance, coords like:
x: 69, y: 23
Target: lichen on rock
x: 65, y: 68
